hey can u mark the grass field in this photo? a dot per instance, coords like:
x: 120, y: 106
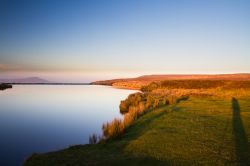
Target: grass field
x: 196, y: 131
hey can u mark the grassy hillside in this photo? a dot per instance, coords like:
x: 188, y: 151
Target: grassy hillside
x: 137, y: 83
x: 199, y: 130
x: 197, y: 84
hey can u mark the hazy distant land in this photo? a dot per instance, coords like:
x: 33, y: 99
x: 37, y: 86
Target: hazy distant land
x: 34, y: 80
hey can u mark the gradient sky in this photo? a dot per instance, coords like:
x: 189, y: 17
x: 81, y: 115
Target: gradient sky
x: 86, y: 40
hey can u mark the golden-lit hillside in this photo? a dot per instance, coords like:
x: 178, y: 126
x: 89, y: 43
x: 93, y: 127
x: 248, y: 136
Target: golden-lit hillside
x: 138, y: 82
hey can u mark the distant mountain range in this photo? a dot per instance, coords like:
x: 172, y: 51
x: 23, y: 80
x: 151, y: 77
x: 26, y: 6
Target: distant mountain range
x: 31, y: 80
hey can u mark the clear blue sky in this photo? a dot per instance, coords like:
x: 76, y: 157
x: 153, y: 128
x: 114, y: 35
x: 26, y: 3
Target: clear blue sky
x: 85, y: 40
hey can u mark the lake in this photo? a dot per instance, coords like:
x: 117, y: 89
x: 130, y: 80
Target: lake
x: 42, y: 118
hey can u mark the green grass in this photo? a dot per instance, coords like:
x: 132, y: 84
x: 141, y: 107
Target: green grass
x: 197, y: 131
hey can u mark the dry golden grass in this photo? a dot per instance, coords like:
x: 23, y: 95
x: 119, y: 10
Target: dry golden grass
x: 157, y: 94
x: 113, y: 129
x: 161, y: 97
x: 217, y: 92
x: 136, y: 85
x: 116, y: 128
x: 139, y: 82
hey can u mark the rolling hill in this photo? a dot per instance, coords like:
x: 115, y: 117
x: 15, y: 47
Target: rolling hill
x: 138, y: 82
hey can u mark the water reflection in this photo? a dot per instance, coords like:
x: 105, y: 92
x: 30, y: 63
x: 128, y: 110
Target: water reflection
x: 40, y: 118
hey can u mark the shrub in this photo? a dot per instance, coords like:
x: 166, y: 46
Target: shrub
x: 129, y: 118
x: 113, y: 129
x: 142, y: 107
x: 133, y: 107
x: 117, y: 127
x: 149, y: 101
x: 124, y: 106
x: 170, y: 100
x: 165, y: 101
x: 150, y: 87
x: 156, y: 103
x: 192, y: 84
x: 132, y: 100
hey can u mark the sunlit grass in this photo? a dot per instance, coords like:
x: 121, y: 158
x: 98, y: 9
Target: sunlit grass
x: 197, y: 131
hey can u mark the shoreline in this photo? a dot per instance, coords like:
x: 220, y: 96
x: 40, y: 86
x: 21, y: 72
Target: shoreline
x: 152, y: 136
x: 160, y: 117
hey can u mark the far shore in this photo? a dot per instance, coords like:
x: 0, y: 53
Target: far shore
x: 49, y: 83
x: 4, y: 86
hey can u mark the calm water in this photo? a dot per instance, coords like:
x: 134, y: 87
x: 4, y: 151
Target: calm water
x: 41, y: 118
